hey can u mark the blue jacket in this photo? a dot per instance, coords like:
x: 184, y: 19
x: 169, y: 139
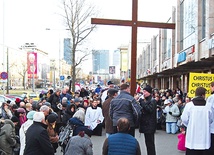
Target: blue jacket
x: 78, y: 126
x: 122, y: 143
x: 124, y: 105
x: 68, y: 96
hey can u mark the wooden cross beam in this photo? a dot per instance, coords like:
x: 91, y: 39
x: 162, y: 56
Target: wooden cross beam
x: 134, y: 24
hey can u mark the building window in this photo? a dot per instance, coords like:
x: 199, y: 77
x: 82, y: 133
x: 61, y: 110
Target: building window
x: 167, y: 44
x: 164, y: 44
x: 155, y: 48
x: 203, y: 19
x: 188, y: 22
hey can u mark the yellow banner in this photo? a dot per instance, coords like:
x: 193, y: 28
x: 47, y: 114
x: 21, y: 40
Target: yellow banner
x: 200, y: 80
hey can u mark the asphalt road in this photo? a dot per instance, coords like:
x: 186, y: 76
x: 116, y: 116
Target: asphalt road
x: 166, y: 144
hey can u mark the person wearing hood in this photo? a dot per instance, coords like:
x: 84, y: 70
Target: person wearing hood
x: 23, y: 130
x: 8, y: 137
x: 69, y: 112
x: 5, y: 111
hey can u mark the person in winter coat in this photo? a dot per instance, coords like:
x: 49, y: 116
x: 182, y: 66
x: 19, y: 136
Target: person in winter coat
x: 172, y: 112
x: 148, y: 119
x: 83, y: 93
x: 8, y: 137
x: 54, y: 99
x: 69, y: 112
x: 121, y: 142
x: 125, y: 105
x: 112, y: 93
x: 77, y: 121
x: 51, y: 129
x: 23, y: 130
x: 80, y: 144
x: 37, y: 139
x: 5, y: 111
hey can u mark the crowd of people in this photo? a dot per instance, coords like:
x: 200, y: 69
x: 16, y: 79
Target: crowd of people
x: 33, y: 127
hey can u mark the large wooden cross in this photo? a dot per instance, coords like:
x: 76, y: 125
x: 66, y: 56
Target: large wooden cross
x: 134, y: 23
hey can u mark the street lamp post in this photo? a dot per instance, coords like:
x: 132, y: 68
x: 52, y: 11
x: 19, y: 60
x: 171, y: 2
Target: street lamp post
x: 53, y: 68
x: 48, y: 29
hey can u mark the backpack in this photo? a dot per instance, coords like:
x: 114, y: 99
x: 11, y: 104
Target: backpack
x: 137, y: 112
x: 65, y: 134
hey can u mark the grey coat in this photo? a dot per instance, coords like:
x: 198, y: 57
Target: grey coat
x: 7, y: 136
x: 79, y: 146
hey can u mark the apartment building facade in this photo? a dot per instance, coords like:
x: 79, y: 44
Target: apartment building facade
x: 173, y: 54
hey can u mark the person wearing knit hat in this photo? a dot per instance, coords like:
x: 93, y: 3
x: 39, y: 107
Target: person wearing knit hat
x: 21, y: 110
x: 148, y: 119
x: 23, y: 130
x: 172, y: 112
x: 148, y: 88
x: 39, y: 117
x: 37, y: 139
x: 53, y: 136
x: 51, y: 118
x: 17, y: 100
x: 30, y: 115
x: 21, y: 114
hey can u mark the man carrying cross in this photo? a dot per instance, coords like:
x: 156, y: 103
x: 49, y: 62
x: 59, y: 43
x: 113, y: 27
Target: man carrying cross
x: 134, y: 23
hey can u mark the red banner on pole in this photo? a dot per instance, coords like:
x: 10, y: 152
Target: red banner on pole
x: 32, y: 62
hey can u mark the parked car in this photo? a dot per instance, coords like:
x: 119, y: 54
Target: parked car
x: 29, y: 95
x: 4, y: 99
x: 9, y: 87
x: 14, y: 96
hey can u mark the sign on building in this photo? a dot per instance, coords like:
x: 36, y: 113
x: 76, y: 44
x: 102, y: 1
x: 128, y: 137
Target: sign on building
x: 111, y: 69
x: 199, y: 80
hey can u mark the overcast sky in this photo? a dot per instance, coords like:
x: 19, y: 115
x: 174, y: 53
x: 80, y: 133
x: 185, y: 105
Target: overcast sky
x: 25, y: 21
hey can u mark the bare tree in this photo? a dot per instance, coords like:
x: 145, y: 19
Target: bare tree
x: 77, y: 16
x: 22, y: 70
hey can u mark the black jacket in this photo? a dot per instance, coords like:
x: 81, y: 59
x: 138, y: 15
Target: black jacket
x: 148, y: 119
x: 54, y: 100
x: 68, y: 113
x: 37, y: 140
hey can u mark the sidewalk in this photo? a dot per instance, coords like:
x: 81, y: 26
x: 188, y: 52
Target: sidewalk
x: 166, y: 144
